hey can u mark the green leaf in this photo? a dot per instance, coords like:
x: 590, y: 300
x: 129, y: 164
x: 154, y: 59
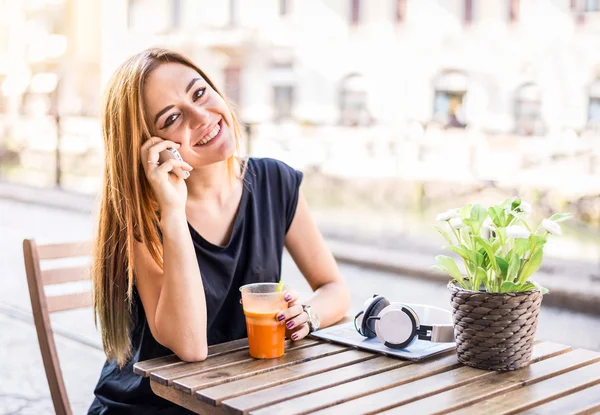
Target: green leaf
x: 465, y: 235
x: 490, y: 252
x: 478, y: 215
x: 532, y: 265
x: 513, y: 268
x: 444, y: 234
x: 465, y: 212
x: 448, y: 265
x: 509, y: 287
x: 467, y: 255
x: 503, y: 266
x: 521, y: 246
x: 496, y: 215
x: 511, y: 203
x: 531, y: 285
x: 501, y: 232
x: 536, y: 241
x: 480, y: 277
x: 560, y: 217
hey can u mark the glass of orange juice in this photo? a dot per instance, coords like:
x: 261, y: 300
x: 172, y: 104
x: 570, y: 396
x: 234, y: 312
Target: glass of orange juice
x: 262, y: 302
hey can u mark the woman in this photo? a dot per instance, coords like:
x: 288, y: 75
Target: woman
x: 172, y: 250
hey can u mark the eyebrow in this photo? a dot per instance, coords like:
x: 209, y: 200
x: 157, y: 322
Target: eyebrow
x: 161, y: 112
x: 189, y: 86
x: 167, y: 108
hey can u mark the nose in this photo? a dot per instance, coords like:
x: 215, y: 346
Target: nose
x: 198, y: 116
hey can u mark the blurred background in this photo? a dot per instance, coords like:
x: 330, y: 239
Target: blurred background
x: 395, y: 110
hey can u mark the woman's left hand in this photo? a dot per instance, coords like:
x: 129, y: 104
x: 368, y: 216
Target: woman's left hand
x: 294, y: 318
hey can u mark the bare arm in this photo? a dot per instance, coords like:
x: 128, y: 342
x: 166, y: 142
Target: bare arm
x: 173, y: 297
x: 331, y: 297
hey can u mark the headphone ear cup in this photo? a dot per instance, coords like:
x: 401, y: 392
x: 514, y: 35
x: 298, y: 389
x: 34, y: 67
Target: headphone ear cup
x: 369, y: 319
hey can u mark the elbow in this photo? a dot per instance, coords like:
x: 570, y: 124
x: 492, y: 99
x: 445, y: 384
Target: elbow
x: 190, y: 354
x: 189, y: 348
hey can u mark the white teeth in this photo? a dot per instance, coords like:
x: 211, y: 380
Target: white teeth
x: 211, y: 135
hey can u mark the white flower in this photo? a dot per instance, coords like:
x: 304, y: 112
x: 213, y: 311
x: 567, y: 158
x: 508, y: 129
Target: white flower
x: 525, y: 207
x: 488, y: 223
x: 447, y: 215
x: 457, y: 223
x: 517, y: 232
x: 552, y: 227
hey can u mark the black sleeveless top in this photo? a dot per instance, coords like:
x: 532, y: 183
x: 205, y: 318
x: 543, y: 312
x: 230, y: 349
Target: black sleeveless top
x: 253, y: 254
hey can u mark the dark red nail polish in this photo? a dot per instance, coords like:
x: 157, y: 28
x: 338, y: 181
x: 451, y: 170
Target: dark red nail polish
x: 288, y: 297
x: 280, y: 317
x: 290, y: 324
x: 294, y: 336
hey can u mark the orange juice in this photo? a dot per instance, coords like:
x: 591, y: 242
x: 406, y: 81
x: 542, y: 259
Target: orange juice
x: 265, y: 335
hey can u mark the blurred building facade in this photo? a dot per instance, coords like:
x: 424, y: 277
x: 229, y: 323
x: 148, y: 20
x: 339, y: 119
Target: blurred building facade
x: 501, y: 66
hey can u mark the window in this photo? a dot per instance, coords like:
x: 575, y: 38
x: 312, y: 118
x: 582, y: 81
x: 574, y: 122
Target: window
x: 594, y: 105
x: 283, y: 102
x: 355, y: 12
x: 284, y: 7
x: 528, y: 105
x: 468, y: 11
x: 175, y: 13
x: 400, y: 11
x: 513, y: 10
x: 130, y: 13
x: 592, y: 5
x: 450, y: 91
x: 232, y: 12
x: 353, y: 102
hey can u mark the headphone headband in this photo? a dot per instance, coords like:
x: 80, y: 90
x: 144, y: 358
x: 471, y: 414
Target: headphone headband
x: 397, y: 324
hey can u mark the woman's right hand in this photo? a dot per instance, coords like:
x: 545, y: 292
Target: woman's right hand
x: 169, y: 187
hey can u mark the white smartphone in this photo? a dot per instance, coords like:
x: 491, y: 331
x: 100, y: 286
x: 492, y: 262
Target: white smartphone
x: 172, y: 153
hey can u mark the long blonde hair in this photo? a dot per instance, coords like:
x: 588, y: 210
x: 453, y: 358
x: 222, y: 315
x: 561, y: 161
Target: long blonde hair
x: 128, y: 210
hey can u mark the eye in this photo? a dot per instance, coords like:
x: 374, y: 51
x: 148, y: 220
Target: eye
x: 198, y: 94
x: 170, y: 120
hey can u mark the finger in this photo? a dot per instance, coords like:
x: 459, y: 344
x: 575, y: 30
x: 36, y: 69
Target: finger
x: 301, y: 333
x: 176, y: 167
x: 290, y: 297
x: 150, y: 142
x: 290, y: 313
x: 296, y: 321
x: 153, y: 151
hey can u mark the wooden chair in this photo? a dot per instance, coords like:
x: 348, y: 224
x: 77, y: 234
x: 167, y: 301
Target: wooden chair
x: 43, y: 305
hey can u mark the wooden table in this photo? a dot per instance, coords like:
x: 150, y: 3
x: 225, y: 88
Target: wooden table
x: 319, y: 377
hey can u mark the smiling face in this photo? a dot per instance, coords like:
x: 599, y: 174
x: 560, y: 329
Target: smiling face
x: 182, y: 107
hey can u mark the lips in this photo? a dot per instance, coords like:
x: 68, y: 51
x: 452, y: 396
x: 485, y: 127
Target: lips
x: 211, y: 134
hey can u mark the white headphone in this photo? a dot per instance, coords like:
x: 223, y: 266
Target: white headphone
x: 397, y: 325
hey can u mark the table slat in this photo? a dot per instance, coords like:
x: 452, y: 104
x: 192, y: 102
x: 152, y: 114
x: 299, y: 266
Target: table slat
x: 538, y: 393
x: 272, y: 395
x: 499, y: 383
x: 216, y: 394
x: 182, y: 399
x: 586, y: 401
x: 190, y: 384
x: 361, y: 387
x: 144, y: 368
x: 432, y: 385
x: 167, y: 375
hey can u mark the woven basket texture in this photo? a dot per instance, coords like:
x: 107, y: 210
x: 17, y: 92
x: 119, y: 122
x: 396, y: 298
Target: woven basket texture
x: 494, y: 331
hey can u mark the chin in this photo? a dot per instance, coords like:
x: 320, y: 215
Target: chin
x: 216, y: 154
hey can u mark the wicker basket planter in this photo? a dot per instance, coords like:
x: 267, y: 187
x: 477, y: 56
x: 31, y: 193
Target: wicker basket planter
x: 494, y: 331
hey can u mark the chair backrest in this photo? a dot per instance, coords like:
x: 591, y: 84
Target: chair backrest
x: 42, y: 305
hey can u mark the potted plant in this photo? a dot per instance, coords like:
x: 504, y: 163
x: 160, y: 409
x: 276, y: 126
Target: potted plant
x: 495, y: 305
